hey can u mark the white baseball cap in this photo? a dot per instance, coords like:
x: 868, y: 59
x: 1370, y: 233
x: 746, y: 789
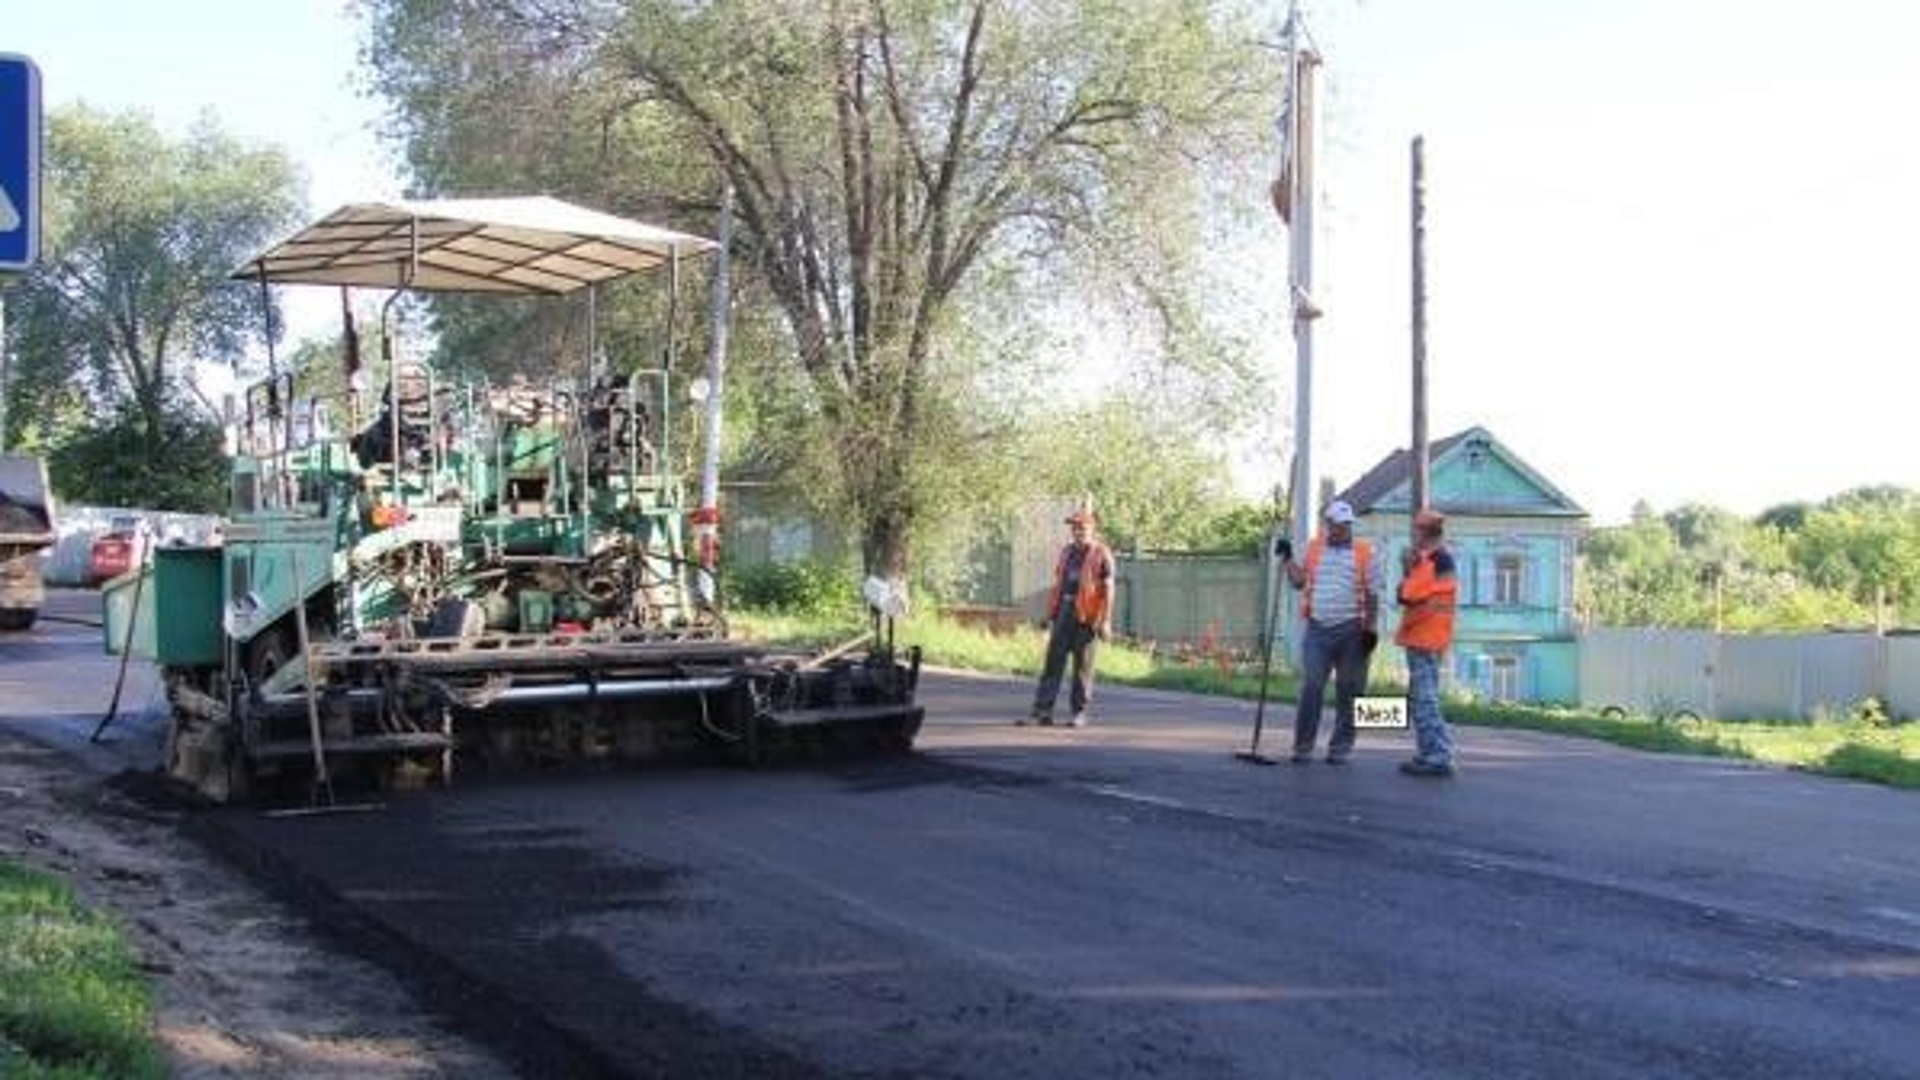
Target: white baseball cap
x: 1339, y: 513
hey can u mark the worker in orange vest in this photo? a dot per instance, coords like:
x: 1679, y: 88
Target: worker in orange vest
x: 1340, y: 583
x: 1427, y: 592
x: 1079, y: 615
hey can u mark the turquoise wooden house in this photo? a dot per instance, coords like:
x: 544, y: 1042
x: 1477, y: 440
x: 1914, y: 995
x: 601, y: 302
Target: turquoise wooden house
x: 1514, y: 536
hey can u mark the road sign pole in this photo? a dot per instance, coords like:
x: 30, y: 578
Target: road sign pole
x: 5, y: 360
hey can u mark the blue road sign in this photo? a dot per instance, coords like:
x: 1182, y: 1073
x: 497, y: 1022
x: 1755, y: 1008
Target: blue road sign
x: 19, y: 162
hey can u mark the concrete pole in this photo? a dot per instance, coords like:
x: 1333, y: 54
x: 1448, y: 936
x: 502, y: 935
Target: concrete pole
x: 706, y: 520
x: 1419, y: 198
x: 721, y: 302
x: 5, y: 370
x: 1301, y: 64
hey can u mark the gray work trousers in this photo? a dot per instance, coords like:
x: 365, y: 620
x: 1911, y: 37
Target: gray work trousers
x: 1329, y: 649
x: 1069, y: 639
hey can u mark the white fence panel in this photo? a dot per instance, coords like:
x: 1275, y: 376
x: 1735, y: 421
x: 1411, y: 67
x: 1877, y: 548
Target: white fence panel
x: 1838, y: 672
x: 1748, y: 676
x: 1646, y: 670
x: 1759, y: 676
x: 1900, y: 663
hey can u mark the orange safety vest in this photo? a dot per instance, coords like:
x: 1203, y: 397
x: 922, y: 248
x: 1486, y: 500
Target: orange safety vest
x: 1091, y: 603
x: 1362, y: 561
x: 1427, y: 601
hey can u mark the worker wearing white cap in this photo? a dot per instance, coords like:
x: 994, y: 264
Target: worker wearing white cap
x: 1340, y: 583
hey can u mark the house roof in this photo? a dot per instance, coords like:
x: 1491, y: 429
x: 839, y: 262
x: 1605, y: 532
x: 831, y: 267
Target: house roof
x: 1392, y: 472
x: 1388, y: 486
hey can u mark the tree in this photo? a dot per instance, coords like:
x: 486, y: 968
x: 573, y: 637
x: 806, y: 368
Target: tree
x: 1153, y: 483
x: 114, y: 464
x: 1794, y: 567
x: 141, y: 233
x: 1636, y: 575
x: 897, y: 164
x: 1865, y: 544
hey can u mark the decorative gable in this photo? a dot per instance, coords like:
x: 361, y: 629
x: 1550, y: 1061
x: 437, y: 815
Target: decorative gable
x: 1470, y: 472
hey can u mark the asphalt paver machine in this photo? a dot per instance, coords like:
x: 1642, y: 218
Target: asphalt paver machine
x: 443, y: 574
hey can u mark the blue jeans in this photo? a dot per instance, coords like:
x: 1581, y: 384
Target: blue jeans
x: 1430, y: 732
x: 1329, y: 649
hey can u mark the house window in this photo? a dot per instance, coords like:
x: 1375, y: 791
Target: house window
x: 1508, y: 570
x: 1503, y: 678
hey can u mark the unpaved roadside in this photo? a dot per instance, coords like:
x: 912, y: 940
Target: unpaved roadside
x: 243, y: 987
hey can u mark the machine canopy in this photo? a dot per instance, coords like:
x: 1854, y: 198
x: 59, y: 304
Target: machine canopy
x: 529, y: 245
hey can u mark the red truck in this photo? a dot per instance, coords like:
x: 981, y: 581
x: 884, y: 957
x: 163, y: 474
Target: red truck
x: 123, y: 547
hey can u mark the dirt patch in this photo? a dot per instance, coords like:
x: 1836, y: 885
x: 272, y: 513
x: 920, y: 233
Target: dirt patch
x: 244, y: 988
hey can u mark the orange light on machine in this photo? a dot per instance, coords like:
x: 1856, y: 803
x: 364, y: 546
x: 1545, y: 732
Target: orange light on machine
x: 386, y: 516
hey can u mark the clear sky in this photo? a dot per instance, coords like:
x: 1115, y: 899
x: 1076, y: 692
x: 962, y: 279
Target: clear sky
x: 1673, y: 244
x: 280, y: 71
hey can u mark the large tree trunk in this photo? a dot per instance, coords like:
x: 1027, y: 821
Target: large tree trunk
x: 884, y: 550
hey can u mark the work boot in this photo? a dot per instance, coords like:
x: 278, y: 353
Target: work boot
x: 1079, y: 719
x: 1423, y: 767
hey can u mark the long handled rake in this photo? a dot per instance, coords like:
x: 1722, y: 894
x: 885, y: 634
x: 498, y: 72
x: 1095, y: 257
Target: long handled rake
x: 1252, y: 754
x: 1282, y: 497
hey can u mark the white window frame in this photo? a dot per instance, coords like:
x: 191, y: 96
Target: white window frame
x: 1503, y: 678
x: 1509, y: 580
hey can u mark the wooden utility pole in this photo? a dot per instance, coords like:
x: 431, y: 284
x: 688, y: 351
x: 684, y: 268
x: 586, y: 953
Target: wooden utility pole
x: 1419, y: 198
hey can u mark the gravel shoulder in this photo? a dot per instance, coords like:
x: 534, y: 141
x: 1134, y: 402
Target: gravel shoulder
x: 244, y: 987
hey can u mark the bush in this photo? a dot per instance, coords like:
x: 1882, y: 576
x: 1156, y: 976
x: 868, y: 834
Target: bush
x: 809, y: 588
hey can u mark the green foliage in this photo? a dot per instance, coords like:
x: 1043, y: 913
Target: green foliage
x: 1864, y: 544
x: 1154, y: 484
x: 1791, y: 568
x: 898, y: 174
x: 808, y: 589
x: 72, y: 1001
x: 1242, y: 529
x: 141, y: 233
x: 115, y: 465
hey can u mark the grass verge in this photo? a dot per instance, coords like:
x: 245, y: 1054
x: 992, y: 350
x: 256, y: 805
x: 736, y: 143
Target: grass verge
x: 73, y: 1004
x: 1879, y: 752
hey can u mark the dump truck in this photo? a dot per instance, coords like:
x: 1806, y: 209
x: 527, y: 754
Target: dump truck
x: 26, y: 528
x: 454, y: 573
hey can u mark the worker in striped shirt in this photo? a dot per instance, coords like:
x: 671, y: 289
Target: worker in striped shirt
x: 1340, y: 583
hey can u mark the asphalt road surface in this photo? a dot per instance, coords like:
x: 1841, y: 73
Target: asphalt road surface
x: 1123, y: 901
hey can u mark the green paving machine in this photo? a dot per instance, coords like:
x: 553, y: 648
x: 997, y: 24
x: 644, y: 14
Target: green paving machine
x: 447, y: 574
